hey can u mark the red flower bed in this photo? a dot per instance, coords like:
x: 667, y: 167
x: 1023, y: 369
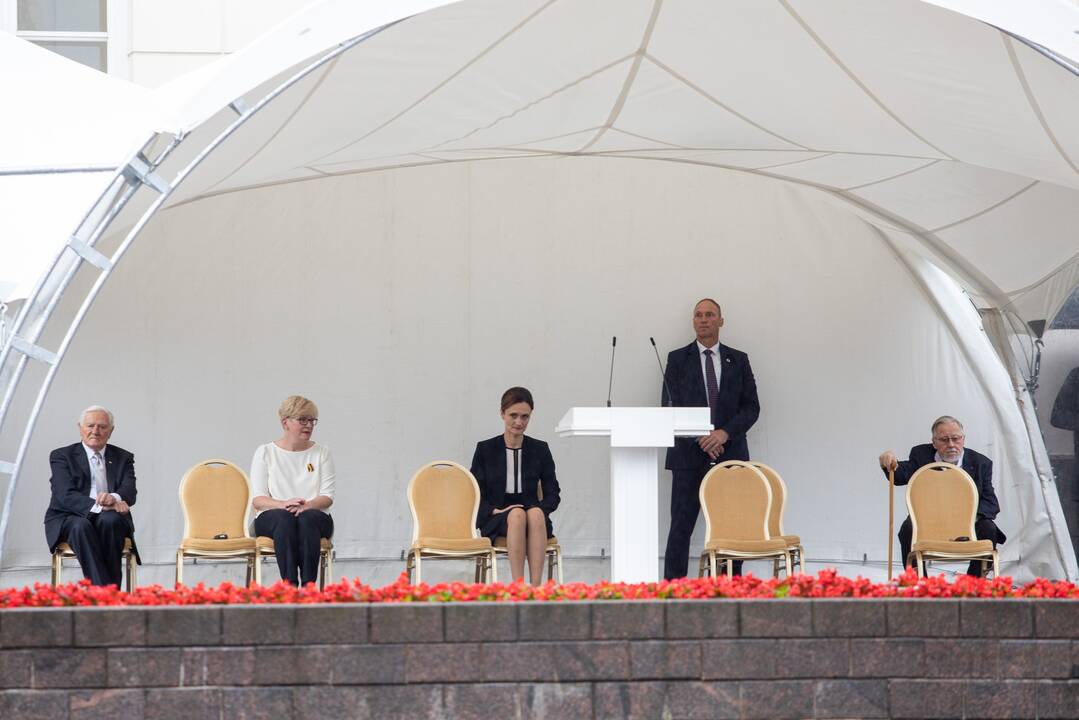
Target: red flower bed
x: 825, y: 584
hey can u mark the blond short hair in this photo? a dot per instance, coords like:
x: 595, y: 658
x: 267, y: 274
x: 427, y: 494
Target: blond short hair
x: 297, y: 406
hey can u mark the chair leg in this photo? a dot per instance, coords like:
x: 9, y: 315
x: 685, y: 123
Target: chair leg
x: 250, y: 574
x: 481, y: 570
x: 408, y: 566
x: 131, y: 572
x: 559, y: 553
x: 787, y: 558
x: 327, y: 571
x: 416, y: 559
x: 996, y: 563
x: 713, y: 566
x: 325, y: 563
x: 494, y: 568
x: 258, y: 567
x: 921, y: 564
x: 57, y: 565
x: 179, y: 566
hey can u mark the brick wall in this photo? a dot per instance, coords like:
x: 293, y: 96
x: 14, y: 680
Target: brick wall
x: 676, y: 659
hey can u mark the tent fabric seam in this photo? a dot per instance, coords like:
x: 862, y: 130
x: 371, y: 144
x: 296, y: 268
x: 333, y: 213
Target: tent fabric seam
x: 894, y: 177
x: 854, y: 78
x: 285, y: 123
x: 989, y: 209
x: 557, y: 91
x: 631, y: 77
x: 1033, y: 101
x: 719, y: 103
x: 445, y: 81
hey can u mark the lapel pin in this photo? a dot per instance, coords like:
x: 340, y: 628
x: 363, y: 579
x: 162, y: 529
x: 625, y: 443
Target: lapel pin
x: 310, y: 467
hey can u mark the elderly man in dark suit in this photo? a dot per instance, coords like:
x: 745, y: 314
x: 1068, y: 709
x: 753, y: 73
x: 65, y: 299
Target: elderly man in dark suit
x: 93, y: 488
x: 705, y: 373
x: 948, y: 446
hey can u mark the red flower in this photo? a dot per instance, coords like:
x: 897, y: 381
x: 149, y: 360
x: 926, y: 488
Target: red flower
x: 827, y: 583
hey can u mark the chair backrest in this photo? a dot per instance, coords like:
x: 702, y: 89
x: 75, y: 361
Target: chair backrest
x: 215, y: 496
x: 779, y: 498
x: 444, y: 498
x: 736, y: 500
x: 942, y: 500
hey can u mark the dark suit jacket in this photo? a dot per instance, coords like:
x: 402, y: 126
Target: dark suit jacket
x: 737, y: 410
x: 978, y: 466
x: 71, y: 486
x: 1066, y: 408
x: 489, y: 467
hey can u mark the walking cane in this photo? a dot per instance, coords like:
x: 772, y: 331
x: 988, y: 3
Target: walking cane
x: 891, y: 518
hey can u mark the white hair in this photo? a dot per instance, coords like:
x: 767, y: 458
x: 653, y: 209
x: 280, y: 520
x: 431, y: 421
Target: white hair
x: 944, y: 420
x: 97, y: 408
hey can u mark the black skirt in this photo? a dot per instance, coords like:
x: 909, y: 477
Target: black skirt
x: 495, y: 525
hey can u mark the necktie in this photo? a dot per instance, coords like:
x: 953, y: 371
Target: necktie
x: 97, y: 475
x: 710, y: 377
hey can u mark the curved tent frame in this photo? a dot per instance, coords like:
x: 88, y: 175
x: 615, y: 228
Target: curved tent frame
x: 153, y: 174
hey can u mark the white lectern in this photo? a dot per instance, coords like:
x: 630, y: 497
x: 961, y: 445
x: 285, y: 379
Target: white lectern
x: 636, y: 435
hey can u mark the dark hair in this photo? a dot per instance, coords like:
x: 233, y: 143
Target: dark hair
x: 515, y: 395
x: 719, y: 310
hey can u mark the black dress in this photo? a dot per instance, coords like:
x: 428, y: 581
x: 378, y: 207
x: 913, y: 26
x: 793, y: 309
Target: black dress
x: 536, y: 471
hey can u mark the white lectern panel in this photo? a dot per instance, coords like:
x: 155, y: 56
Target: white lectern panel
x: 636, y: 435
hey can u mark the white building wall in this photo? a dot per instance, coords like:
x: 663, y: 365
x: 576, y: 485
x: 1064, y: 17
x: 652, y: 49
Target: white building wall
x: 171, y: 37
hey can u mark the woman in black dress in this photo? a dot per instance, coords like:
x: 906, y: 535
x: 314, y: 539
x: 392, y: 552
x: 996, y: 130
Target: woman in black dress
x: 510, y: 469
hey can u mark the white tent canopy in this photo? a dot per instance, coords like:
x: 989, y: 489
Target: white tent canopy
x: 66, y: 129
x: 844, y: 175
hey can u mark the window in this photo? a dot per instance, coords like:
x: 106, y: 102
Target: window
x: 76, y: 29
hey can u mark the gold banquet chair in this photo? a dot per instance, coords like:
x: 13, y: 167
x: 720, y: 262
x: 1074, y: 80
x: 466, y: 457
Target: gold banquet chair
x: 264, y: 549
x: 554, y: 550
x: 215, y: 496
x: 943, y: 502
x: 775, y: 518
x: 736, y: 499
x: 63, y: 552
x: 444, y: 498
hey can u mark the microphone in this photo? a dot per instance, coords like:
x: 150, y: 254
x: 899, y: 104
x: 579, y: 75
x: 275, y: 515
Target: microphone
x: 610, y: 380
x: 662, y: 373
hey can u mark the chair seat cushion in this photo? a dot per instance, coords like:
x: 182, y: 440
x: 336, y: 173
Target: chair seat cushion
x: 65, y: 549
x: 791, y: 539
x: 211, y: 545
x: 265, y: 544
x: 500, y: 542
x: 481, y: 544
x: 953, y: 546
x: 747, y: 546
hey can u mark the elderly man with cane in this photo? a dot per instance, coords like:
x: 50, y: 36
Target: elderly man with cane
x: 948, y: 446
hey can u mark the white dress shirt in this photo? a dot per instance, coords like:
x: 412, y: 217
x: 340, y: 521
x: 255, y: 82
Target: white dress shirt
x: 284, y: 474
x: 99, y: 479
x: 513, y: 482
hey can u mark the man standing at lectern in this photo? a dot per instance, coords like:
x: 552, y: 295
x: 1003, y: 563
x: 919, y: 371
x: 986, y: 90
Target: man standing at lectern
x: 705, y: 373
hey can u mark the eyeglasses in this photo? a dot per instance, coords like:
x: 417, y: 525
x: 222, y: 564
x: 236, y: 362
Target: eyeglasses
x: 306, y: 421
x: 950, y: 439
